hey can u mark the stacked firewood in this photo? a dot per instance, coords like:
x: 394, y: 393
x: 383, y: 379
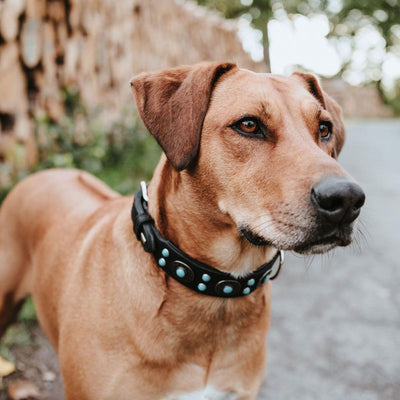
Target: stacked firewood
x: 32, y: 36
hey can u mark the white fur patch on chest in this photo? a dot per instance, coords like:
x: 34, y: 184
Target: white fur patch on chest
x: 209, y: 393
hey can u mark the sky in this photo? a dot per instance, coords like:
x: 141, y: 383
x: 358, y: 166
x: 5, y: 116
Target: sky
x: 303, y: 41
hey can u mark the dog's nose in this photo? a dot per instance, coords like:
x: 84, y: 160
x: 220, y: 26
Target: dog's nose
x: 339, y: 200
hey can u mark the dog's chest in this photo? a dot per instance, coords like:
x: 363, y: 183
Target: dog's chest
x: 209, y: 393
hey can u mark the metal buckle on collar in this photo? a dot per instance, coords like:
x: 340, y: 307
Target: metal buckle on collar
x: 142, y: 221
x: 144, y: 191
x: 146, y: 199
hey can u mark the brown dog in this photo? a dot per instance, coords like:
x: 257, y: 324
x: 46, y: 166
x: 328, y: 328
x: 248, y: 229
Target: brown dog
x: 249, y: 167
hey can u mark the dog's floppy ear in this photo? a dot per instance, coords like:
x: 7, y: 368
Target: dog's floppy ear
x: 173, y: 103
x: 312, y: 84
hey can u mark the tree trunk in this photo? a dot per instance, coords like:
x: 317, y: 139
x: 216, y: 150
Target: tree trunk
x: 267, y: 58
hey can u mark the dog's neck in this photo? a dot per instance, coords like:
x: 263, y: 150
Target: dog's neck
x: 189, y: 217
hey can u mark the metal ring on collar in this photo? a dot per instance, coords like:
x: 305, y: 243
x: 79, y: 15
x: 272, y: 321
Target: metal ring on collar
x: 281, y: 262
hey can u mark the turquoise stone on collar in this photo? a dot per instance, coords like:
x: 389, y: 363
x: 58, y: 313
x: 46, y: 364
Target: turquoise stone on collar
x: 165, y: 253
x: 227, y: 289
x: 162, y: 262
x: 266, y: 279
x: 246, y: 290
x: 202, y: 287
x: 180, y: 272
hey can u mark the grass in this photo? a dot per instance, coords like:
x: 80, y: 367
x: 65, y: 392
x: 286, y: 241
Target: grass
x: 136, y: 163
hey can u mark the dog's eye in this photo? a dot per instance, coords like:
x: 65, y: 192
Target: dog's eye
x: 325, y: 130
x: 248, y: 126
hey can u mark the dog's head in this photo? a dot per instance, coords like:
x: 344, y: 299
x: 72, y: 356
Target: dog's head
x: 263, y: 146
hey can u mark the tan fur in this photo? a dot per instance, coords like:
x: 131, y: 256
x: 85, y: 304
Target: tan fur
x: 124, y: 330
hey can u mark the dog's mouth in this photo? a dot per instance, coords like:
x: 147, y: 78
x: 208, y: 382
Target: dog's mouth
x: 323, y: 245
x: 325, y: 238
x: 253, y: 237
x: 316, y: 242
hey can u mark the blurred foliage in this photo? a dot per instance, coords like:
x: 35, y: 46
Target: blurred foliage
x: 355, y: 14
x: 355, y: 19
x: 18, y: 334
x: 260, y: 11
x: 27, y: 314
x: 349, y: 20
x: 347, y: 17
x: 118, y: 151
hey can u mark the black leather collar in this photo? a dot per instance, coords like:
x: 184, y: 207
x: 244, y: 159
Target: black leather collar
x: 193, y: 274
